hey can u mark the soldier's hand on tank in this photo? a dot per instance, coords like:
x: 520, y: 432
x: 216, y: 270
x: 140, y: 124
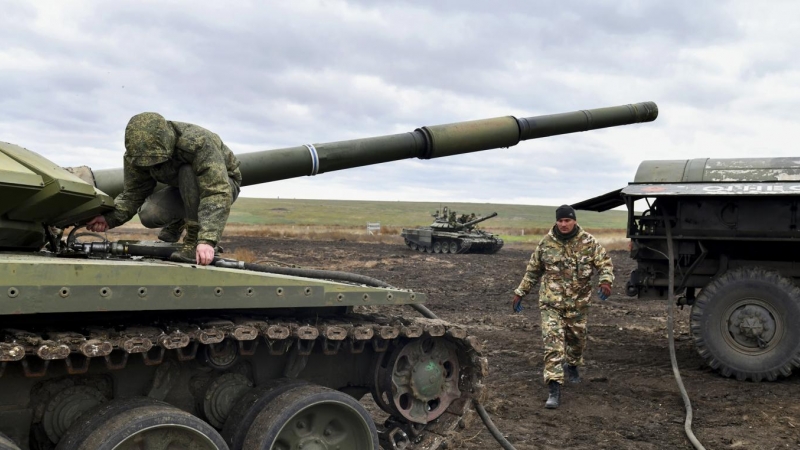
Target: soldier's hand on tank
x: 97, y: 224
x: 604, y: 292
x: 516, y: 303
x: 204, y: 254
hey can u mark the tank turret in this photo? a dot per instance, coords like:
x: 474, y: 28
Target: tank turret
x: 462, y: 226
x: 234, y: 354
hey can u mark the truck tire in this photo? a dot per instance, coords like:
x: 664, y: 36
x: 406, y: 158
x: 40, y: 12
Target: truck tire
x: 746, y: 324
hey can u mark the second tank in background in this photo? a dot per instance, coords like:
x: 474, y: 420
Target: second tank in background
x: 453, y: 233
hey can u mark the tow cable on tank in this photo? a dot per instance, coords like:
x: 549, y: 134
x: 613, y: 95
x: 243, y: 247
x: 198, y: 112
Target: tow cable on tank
x: 687, y: 424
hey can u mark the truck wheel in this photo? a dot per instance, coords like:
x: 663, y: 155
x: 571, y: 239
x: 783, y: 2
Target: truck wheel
x: 745, y: 324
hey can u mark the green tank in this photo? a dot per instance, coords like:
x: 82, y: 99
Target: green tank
x: 450, y: 233
x: 109, y: 345
x: 731, y: 226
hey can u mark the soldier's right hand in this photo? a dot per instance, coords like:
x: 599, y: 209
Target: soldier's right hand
x: 97, y: 224
x: 516, y: 304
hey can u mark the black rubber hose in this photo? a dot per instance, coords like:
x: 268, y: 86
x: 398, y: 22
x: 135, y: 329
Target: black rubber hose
x: 687, y: 424
x: 318, y: 274
x: 498, y: 436
x: 422, y: 309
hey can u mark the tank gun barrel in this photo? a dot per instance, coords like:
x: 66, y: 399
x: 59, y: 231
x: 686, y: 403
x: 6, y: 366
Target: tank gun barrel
x: 473, y: 222
x: 427, y: 142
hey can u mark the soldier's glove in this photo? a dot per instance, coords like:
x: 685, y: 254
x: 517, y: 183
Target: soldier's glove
x: 604, y: 292
x: 517, y: 304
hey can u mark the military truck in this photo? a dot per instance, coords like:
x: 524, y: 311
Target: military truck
x: 733, y: 224
x: 110, y: 345
x: 451, y: 233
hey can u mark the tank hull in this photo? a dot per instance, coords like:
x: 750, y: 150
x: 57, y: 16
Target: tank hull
x: 428, y: 240
x: 200, y: 338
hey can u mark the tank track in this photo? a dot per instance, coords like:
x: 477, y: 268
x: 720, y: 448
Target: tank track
x: 36, y: 352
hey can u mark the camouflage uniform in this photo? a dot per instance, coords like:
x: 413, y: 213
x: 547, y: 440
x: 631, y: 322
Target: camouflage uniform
x: 201, y: 173
x: 565, y: 270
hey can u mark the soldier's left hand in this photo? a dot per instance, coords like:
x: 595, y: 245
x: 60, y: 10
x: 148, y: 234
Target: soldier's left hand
x: 204, y: 254
x: 605, y: 291
x: 516, y: 304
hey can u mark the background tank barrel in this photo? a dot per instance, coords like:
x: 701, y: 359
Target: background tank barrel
x: 473, y: 222
x: 425, y: 143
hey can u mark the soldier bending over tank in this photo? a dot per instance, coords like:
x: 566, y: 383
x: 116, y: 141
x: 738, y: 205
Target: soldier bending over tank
x: 202, y: 177
x: 563, y: 263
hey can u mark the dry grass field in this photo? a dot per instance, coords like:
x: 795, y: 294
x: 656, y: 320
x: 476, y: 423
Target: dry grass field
x: 520, y: 226
x: 610, y: 238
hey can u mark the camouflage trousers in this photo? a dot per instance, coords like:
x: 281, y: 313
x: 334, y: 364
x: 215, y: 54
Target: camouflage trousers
x: 564, y: 337
x: 172, y: 204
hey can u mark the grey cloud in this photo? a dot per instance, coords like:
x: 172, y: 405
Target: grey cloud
x: 278, y: 75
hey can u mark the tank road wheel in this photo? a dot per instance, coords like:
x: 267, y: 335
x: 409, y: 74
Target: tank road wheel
x: 312, y: 417
x: 64, y: 408
x: 437, y: 247
x: 250, y: 405
x: 453, y: 247
x: 414, y: 246
x: 744, y: 324
x: 220, y: 396
x: 6, y: 443
x: 419, y: 381
x: 140, y: 423
x: 445, y: 247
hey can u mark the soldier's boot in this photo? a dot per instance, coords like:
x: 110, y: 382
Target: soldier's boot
x: 555, y: 395
x: 172, y: 232
x: 187, y: 253
x: 572, y: 374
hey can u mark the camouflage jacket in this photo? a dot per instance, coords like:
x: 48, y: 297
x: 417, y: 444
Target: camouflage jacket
x: 565, y: 268
x: 212, y: 161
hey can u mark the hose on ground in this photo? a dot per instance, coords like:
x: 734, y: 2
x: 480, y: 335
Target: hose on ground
x: 498, y: 436
x: 687, y: 424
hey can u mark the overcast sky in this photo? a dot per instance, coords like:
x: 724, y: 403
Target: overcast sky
x: 267, y: 75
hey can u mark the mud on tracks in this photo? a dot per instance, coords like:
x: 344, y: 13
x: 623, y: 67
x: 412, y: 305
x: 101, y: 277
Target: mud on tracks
x: 628, y: 398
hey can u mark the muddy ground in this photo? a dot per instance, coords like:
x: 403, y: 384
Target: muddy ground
x: 628, y: 398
